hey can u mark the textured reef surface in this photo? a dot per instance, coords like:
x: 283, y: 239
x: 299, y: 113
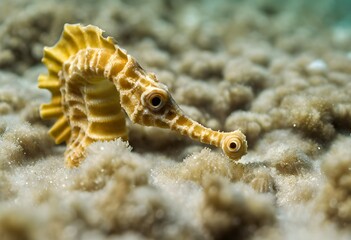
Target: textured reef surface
x: 278, y: 70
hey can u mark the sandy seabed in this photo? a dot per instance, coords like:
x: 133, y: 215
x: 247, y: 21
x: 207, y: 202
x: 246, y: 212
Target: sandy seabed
x: 279, y: 72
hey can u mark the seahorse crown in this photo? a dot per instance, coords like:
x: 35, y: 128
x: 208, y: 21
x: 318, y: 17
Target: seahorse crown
x: 91, y: 80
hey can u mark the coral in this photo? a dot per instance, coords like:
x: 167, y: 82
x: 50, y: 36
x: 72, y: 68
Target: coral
x: 31, y: 113
x: 339, y: 63
x: 252, y: 124
x: 311, y: 115
x: 203, y: 65
x: 202, y: 164
x: 258, y: 53
x: 5, y: 108
x: 293, y: 161
x: 288, y: 155
x: 185, y: 94
x: 297, y: 189
x: 166, y: 77
x: 19, y: 96
x: 24, y: 142
x: 6, y: 190
x: 335, y: 200
x: 111, y: 80
x: 10, y: 153
x: 3, y: 126
x: 342, y: 115
x: 231, y: 97
x: 242, y: 71
x: 94, y: 175
x: 126, y: 207
x: 234, y: 209
x: 10, y: 101
x: 15, y: 225
x: 23, y: 35
x: 228, y: 97
x: 124, y: 199
x: 260, y: 179
x: 151, y: 55
x: 198, y: 166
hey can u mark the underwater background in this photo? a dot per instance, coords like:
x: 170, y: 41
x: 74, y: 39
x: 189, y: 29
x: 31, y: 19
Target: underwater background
x: 278, y: 70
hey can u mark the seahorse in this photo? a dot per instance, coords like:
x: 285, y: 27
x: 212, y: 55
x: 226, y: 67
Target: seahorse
x: 94, y: 83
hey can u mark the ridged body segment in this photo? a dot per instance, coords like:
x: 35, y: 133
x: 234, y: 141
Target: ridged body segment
x: 94, y: 84
x: 84, y: 98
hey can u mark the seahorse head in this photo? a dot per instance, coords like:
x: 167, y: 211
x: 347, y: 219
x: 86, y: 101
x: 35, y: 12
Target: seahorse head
x: 153, y: 104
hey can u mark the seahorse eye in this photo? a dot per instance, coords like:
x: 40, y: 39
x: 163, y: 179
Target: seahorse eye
x: 155, y: 99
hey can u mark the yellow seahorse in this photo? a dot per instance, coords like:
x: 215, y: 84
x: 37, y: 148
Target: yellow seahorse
x: 91, y: 80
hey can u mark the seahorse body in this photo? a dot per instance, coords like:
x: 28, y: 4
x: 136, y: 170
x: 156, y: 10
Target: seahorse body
x: 91, y: 80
